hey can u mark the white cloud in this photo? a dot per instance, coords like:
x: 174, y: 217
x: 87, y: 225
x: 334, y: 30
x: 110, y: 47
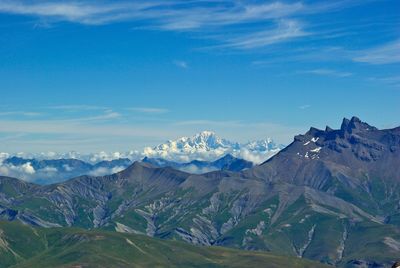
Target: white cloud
x: 284, y: 31
x: 48, y: 170
x: 327, y: 72
x: 305, y: 106
x: 256, y: 157
x: 75, y: 11
x: 197, y: 170
x: 68, y: 168
x: 172, y: 15
x: 393, y: 81
x: 385, y: 54
x: 181, y: 64
x: 208, y: 16
x: 4, y: 171
x: 148, y: 110
x: 28, y: 114
x: 105, y: 171
x: 3, y: 156
x: 25, y: 171
x: 27, y: 168
x: 108, y: 114
x: 77, y: 107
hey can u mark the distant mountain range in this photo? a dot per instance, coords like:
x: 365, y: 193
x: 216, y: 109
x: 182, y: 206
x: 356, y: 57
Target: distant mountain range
x: 58, y: 170
x: 207, y: 146
x: 204, y: 146
x: 332, y: 196
x: 227, y: 162
x: 198, y: 154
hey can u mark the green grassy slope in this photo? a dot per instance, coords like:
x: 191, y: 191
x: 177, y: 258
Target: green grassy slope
x: 24, y: 246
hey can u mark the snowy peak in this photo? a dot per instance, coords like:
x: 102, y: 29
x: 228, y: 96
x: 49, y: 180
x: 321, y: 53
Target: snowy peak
x: 208, y: 140
x: 205, y: 141
x: 207, y: 146
x: 204, y: 146
x: 263, y: 145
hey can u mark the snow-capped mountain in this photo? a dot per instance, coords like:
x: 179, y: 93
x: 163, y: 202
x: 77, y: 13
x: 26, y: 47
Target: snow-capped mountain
x: 207, y: 146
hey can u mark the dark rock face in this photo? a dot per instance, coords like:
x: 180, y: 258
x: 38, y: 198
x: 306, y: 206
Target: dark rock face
x: 356, y: 145
x: 331, y: 195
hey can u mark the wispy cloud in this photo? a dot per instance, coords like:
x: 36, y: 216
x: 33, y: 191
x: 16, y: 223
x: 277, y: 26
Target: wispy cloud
x: 204, y: 122
x: 384, y: 54
x: 84, y: 12
x: 305, y: 106
x: 327, y: 72
x: 393, y: 81
x: 284, y: 31
x: 198, y: 16
x: 148, y: 110
x: 108, y: 115
x: 76, y: 107
x: 168, y: 14
x: 181, y: 64
x: 22, y: 113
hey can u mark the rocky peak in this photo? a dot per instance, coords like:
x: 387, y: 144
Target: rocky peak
x: 314, y: 132
x: 328, y: 129
x: 354, y: 125
x: 228, y: 157
x: 354, y: 139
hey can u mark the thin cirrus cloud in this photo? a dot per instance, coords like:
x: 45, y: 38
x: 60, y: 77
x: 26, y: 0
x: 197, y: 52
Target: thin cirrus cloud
x: 107, y: 115
x: 21, y: 113
x: 148, y: 110
x: 60, y: 134
x: 393, y: 81
x: 387, y: 53
x: 212, y: 17
x: 384, y: 54
x: 284, y: 31
x: 305, y: 106
x: 327, y: 72
x: 77, y: 107
x: 172, y: 15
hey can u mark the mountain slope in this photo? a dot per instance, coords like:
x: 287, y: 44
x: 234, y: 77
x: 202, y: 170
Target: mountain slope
x: 358, y: 163
x: 71, y: 247
x: 312, y: 200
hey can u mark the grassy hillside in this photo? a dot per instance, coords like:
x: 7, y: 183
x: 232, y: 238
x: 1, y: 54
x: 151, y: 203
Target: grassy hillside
x: 25, y: 246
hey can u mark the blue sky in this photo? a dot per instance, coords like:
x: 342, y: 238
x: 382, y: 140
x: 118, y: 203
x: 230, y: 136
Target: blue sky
x: 120, y: 75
